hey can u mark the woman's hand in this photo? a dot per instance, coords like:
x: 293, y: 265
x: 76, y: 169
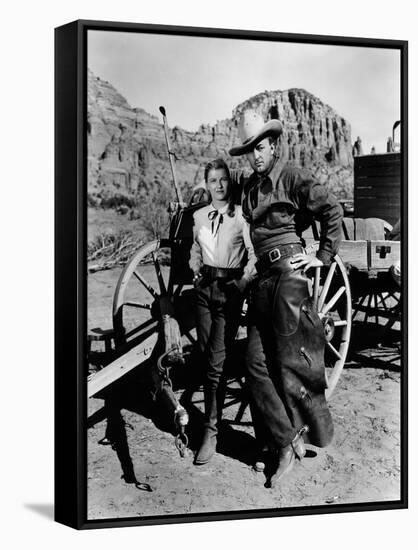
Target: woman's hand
x: 305, y: 261
x: 197, y: 278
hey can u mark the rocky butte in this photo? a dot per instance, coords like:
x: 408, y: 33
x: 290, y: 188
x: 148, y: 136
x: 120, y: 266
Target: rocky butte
x: 127, y: 156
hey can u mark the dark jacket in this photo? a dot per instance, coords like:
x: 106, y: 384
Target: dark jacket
x: 281, y: 204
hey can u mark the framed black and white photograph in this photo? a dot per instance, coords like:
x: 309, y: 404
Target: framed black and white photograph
x: 231, y: 293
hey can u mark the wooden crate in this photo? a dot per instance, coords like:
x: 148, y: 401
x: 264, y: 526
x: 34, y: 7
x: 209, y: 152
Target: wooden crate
x: 383, y: 254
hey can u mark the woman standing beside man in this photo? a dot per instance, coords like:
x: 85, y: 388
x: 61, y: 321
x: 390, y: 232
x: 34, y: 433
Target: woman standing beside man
x: 223, y: 262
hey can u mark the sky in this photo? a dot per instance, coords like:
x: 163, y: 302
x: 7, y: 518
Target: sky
x: 200, y: 80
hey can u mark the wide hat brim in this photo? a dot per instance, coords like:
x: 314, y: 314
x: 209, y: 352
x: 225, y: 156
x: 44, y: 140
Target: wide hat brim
x: 272, y: 128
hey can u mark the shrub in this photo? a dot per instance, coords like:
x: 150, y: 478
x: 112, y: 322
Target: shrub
x: 109, y: 249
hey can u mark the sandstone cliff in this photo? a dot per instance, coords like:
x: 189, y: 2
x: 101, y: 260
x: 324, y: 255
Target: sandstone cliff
x: 127, y: 156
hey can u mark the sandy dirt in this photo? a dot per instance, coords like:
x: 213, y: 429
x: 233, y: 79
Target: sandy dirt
x: 361, y: 465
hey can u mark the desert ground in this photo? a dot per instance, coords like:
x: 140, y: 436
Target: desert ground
x: 139, y: 472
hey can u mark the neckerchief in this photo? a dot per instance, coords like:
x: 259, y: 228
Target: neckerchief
x: 212, y: 215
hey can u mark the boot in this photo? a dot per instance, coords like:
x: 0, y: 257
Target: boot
x: 213, y: 413
x: 286, y: 458
x: 208, y: 446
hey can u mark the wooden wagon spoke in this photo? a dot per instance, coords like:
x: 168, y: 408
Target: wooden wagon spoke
x: 138, y: 305
x: 382, y: 301
x: 326, y: 285
x: 369, y: 303
x: 376, y: 313
x: 146, y: 284
x: 191, y: 339
x: 333, y: 300
x: 341, y: 323
x: 317, y: 278
x: 150, y: 324
x: 359, y: 305
x: 334, y: 351
x: 160, y: 279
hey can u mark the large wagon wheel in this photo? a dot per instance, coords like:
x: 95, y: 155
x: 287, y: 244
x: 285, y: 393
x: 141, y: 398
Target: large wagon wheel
x: 331, y: 296
x: 144, y: 292
x: 147, y: 288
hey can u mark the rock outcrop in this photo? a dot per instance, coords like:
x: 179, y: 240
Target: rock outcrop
x: 127, y: 154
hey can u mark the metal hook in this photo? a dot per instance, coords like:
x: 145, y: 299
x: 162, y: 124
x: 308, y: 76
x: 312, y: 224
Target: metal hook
x: 181, y: 442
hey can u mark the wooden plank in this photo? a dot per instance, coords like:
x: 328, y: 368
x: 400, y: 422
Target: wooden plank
x: 380, y: 202
x: 100, y: 335
x: 379, y: 197
x: 377, y: 160
x: 391, y: 256
x: 379, y: 167
x: 386, y: 186
x: 367, y: 202
x: 354, y: 253
x: 351, y: 252
x: 392, y: 187
x: 118, y: 368
x: 379, y: 171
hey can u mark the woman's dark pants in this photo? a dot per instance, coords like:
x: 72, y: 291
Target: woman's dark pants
x: 219, y: 306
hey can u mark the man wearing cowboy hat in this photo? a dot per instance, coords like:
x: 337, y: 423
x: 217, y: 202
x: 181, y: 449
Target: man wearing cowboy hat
x: 285, y: 356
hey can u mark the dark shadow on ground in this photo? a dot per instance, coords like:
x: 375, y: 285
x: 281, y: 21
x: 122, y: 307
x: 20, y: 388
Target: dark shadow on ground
x: 372, y: 346
x: 237, y: 444
x: 133, y: 392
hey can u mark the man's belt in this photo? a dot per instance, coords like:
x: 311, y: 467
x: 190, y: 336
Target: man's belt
x: 213, y: 273
x: 269, y: 259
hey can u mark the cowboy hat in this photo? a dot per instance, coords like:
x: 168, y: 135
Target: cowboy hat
x: 252, y: 129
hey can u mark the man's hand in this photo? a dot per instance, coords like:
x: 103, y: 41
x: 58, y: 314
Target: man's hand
x: 306, y: 261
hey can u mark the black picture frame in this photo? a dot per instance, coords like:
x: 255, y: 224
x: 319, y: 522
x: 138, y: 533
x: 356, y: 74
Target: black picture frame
x: 71, y: 272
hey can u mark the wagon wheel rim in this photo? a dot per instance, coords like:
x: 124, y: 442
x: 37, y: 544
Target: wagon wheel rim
x: 333, y: 304
x: 142, y: 283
